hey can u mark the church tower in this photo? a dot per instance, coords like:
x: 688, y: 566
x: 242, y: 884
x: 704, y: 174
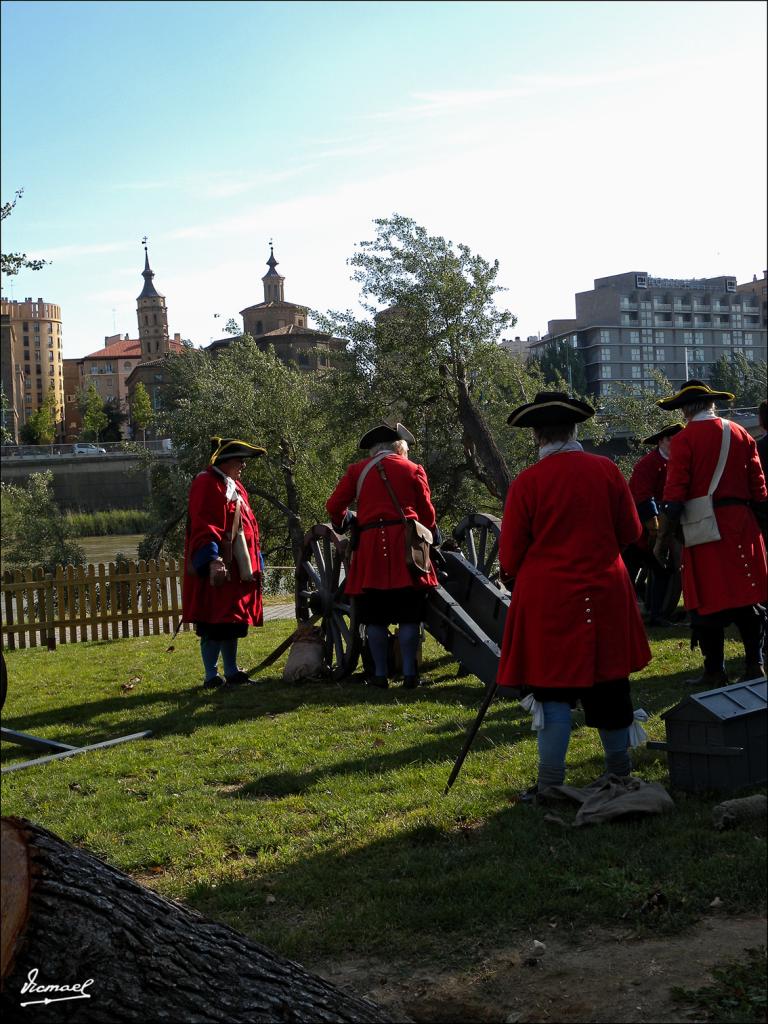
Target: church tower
x: 273, y: 282
x: 153, y: 316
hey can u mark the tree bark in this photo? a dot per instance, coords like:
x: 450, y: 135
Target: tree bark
x: 74, y: 918
x: 479, y: 446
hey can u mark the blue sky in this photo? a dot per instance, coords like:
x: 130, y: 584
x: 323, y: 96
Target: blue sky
x: 567, y: 140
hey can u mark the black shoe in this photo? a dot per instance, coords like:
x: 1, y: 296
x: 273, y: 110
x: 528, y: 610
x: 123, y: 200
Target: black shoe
x: 238, y: 679
x: 213, y: 684
x: 660, y: 621
x: 411, y: 682
x: 381, y: 681
x: 708, y: 680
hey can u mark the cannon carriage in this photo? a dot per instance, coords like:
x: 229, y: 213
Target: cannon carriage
x: 465, y: 613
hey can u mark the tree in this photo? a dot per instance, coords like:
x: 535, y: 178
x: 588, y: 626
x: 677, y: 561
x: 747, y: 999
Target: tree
x: 40, y: 427
x: 561, y: 362
x: 94, y: 418
x: 249, y: 393
x: 115, y: 420
x: 73, y: 918
x: 428, y: 354
x: 745, y: 380
x: 11, y: 263
x: 631, y: 411
x: 141, y: 409
x: 6, y: 436
x: 34, y: 530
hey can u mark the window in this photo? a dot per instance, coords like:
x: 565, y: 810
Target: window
x: 634, y: 355
x: 605, y: 336
x: 749, y: 353
x: 725, y: 337
x: 748, y: 337
x: 25, y: 326
x: 605, y: 355
x: 660, y: 339
x: 634, y: 337
x: 27, y: 368
x: 661, y: 355
x: 36, y: 328
x: 605, y: 372
x: 641, y: 280
x: 698, y: 337
x: 637, y: 372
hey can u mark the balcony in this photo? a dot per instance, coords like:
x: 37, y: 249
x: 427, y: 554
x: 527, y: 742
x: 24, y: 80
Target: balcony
x: 701, y: 307
x: 662, y: 305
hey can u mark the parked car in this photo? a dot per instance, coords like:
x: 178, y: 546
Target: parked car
x: 88, y: 449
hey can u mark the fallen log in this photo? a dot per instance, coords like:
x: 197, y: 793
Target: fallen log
x: 81, y: 941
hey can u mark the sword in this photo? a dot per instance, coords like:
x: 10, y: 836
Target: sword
x: 490, y: 694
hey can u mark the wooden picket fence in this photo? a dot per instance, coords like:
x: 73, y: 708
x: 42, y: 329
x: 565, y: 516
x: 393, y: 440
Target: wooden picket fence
x: 94, y: 602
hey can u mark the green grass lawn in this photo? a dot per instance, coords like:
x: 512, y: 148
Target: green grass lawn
x: 312, y: 816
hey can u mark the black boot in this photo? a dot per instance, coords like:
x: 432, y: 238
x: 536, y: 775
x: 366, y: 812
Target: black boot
x: 410, y: 682
x: 708, y: 680
x: 381, y: 681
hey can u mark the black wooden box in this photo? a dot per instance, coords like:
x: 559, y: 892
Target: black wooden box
x: 717, y: 739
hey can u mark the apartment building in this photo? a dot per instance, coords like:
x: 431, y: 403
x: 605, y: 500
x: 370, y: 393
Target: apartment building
x: 35, y: 329
x: 632, y: 323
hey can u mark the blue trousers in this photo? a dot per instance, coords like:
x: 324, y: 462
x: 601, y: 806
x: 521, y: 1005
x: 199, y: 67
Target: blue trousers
x: 554, y: 738
x: 409, y: 645
x: 210, y: 650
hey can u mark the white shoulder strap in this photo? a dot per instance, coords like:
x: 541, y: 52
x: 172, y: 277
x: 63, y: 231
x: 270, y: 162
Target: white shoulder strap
x: 374, y: 461
x: 725, y: 444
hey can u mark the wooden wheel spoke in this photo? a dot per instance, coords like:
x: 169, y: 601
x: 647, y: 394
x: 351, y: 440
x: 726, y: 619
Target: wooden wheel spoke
x: 471, y: 549
x: 342, y: 626
x: 312, y: 573
x: 319, y: 559
x: 494, y: 554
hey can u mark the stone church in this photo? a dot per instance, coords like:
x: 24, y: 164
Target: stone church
x: 284, y: 325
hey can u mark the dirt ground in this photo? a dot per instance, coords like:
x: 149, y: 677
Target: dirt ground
x: 603, y: 976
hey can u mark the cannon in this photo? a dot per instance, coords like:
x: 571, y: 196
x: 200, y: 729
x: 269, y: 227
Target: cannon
x: 465, y: 613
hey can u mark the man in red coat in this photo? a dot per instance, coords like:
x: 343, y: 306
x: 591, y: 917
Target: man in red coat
x: 222, y: 560
x: 573, y: 632
x: 724, y: 581
x: 385, y: 589
x: 647, y: 486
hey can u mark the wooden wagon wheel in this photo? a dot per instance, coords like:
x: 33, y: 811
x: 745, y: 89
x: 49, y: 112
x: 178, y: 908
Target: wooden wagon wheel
x: 320, y: 577
x: 478, y: 536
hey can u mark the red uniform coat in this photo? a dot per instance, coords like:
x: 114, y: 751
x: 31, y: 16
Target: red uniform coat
x: 573, y: 618
x: 730, y: 572
x: 210, y: 518
x: 647, y: 487
x: 379, y: 561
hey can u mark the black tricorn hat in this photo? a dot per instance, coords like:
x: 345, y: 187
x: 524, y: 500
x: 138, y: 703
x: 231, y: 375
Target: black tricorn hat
x: 550, y: 408
x: 692, y: 391
x: 669, y: 431
x: 223, y: 448
x: 384, y: 432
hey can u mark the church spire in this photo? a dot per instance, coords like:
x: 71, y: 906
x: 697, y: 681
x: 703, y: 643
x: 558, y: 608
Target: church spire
x: 149, y: 291
x: 273, y: 282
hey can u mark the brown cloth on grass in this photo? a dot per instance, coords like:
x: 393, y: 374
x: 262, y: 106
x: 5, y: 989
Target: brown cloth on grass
x: 608, y: 798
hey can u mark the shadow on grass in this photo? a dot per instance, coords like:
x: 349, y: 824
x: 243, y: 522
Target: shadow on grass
x: 432, y: 888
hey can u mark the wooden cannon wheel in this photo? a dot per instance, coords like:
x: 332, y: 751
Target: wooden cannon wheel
x: 478, y: 536
x: 320, y: 576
